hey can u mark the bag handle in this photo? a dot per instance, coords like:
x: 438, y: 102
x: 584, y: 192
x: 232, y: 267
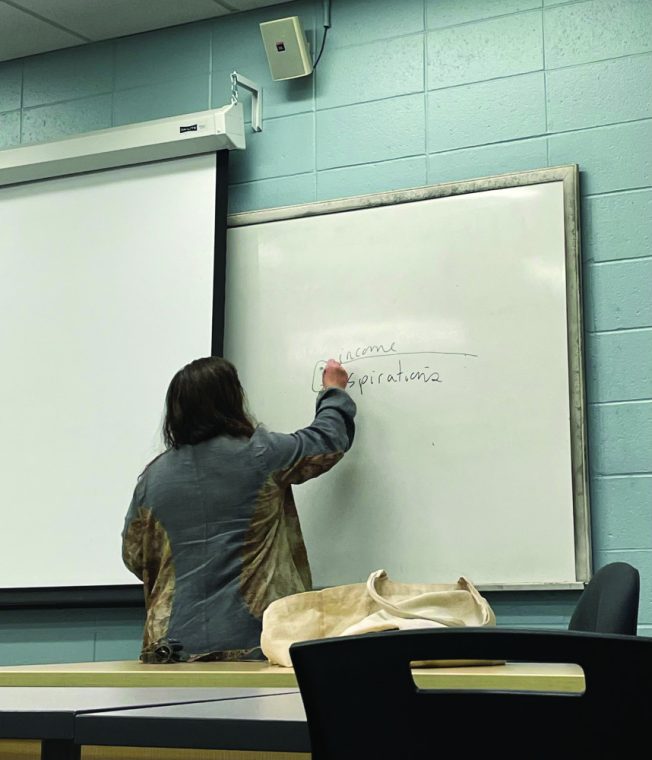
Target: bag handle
x: 384, y: 604
x: 479, y: 599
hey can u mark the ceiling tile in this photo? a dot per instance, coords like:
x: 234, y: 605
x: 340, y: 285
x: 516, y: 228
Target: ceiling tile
x: 22, y: 34
x: 24, y: 27
x: 103, y: 19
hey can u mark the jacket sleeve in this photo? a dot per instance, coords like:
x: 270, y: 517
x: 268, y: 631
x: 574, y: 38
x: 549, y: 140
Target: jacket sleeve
x: 297, y: 457
x: 132, y: 536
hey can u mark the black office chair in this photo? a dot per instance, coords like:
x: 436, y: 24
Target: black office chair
x: 361, y: 701
x: 609, y: 602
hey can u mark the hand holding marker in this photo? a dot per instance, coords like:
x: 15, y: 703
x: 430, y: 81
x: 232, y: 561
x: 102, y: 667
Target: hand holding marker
x: 334, y: 375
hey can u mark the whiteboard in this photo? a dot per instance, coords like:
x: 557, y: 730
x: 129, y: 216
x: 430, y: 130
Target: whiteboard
x: 455, y: 309
x: 106, y: 290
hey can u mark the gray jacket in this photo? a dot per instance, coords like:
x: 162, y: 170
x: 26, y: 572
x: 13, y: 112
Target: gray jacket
x: 213, y: 531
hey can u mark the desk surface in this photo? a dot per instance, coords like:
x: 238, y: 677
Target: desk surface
x: 274, y: 723
x: 49, y: 713
x: 128, y: 673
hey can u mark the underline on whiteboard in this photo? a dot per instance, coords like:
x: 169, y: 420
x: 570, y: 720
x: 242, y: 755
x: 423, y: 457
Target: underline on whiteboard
x: 410, y: 353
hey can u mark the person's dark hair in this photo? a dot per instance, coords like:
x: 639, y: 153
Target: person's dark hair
x: 204, y: 400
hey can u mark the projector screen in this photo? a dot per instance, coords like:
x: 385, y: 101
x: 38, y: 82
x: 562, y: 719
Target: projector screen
x: 106, y: 290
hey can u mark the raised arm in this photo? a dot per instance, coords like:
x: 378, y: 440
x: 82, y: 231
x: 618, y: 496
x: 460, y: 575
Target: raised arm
x: 307, y: 453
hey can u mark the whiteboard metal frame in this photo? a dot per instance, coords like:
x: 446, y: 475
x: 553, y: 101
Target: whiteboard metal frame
x: 568, y: 175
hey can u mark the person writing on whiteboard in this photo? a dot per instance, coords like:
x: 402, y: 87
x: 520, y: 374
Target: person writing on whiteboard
x: 212, y: 529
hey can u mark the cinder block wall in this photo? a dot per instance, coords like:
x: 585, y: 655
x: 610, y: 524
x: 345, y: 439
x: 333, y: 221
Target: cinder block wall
x: 411, y: 93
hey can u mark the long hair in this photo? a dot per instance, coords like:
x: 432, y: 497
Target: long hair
x: 204, y: 400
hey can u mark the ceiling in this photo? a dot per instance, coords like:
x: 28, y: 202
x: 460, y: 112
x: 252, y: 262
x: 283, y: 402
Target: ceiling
x: 28, y: 27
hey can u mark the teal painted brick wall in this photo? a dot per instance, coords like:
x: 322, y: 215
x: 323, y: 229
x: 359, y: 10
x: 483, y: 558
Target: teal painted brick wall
x: 406, y: 94
x: 71, y: 635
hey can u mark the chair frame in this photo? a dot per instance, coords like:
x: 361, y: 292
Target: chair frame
x: 361, y: 700
x: 609, y: 602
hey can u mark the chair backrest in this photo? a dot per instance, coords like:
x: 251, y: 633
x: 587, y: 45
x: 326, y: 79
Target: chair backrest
x: 361, y: 700
x: 609, y: 602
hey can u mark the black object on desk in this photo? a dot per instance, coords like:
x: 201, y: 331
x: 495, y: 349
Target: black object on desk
x: 49, y: 714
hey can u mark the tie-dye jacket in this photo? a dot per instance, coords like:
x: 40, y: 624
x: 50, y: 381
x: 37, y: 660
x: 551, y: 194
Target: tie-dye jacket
x: 213, y: 531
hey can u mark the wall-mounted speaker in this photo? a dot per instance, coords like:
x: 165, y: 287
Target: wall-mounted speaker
x: 288, y: 52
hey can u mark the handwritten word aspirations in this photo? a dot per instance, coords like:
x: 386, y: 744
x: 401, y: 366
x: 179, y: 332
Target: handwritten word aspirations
x: 375, y: 349
x: 383, y: 355
x: 364, y: 381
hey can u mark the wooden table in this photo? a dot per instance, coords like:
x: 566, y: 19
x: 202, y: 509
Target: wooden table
x: 49, y: 714
x: 285, y: 722
x: 274, y: 723
x: 516, y: 676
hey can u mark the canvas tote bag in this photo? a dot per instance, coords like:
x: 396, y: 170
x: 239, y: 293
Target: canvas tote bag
x: 377, y: 605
